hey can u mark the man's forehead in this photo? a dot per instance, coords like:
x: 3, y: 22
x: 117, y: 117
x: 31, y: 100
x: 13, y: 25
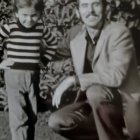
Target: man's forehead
x: 89, y: 1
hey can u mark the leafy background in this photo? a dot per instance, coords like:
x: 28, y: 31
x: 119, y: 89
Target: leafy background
x: 60, y: 16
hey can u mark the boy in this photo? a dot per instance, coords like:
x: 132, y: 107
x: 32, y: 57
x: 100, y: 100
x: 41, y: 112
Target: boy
x: 23, y: 39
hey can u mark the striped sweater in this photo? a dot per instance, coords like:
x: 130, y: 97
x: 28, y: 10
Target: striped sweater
x: 23, y: 44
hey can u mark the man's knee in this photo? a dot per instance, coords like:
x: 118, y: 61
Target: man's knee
x: 54, y: 121
x: 96, y: 94
x: 60, y: 121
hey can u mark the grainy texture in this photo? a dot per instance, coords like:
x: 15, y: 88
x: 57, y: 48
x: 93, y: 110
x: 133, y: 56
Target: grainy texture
x: 43, y: 132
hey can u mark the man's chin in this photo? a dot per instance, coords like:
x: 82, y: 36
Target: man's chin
x: 93, y: 24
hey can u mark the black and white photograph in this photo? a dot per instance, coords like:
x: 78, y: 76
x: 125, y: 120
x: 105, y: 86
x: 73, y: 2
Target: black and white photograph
x: 69, y: 69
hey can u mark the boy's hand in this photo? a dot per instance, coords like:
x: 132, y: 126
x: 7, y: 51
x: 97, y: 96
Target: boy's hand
x: 5, y: 64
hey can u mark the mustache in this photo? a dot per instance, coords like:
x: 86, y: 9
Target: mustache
x: 92, y: 14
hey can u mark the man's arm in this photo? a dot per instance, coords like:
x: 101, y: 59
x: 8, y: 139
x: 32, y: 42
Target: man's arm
x: 64, y: 85
x: 113, y: 73
x: 70, y: 80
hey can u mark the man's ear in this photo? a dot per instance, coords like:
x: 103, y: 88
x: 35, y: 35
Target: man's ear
x: 16, y: 14
x: 77, y: 14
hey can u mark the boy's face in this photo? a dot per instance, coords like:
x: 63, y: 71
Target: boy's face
x: 28, y: 16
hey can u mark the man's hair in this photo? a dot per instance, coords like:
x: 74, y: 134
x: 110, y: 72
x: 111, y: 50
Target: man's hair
x: 37, y: 4
x: 103, y: 1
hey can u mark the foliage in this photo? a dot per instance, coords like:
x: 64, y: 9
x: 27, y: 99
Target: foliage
x: 126, y: 11
x: 3, y: 94
x: 53, y: 74
x: 5, y: 11
x: 60, y: 16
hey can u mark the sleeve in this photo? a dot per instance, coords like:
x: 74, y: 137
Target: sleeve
x: 4, y: 33
x: 50, y: 42
x: 113, y: 73
x: 49, y: 38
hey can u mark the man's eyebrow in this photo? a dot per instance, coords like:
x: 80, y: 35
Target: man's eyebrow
x: 84, y: 3
x: 96, y: 2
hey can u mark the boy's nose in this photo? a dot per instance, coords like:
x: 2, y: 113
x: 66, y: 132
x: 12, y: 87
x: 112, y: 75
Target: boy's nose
x: 29, y: 18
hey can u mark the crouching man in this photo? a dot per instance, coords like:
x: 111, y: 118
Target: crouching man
x: 106, y: 71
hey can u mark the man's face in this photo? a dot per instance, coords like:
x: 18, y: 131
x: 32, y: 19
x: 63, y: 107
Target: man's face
x: 28, y: 16
x: 91, y: 12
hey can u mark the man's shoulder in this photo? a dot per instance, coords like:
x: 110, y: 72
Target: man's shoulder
x: 77, y: 27
x: 116, y: 30
x: 75, y: 30
x: 116, y: 27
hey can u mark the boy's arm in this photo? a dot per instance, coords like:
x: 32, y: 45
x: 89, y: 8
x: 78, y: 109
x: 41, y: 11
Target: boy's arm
x: 50, y: 42
x: 4, y: 34
x: 5, y: 64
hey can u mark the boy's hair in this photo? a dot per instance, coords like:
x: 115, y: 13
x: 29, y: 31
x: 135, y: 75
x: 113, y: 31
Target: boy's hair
x: 37, y: 4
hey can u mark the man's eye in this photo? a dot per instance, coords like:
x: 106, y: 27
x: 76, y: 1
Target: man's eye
x: 84, y: 5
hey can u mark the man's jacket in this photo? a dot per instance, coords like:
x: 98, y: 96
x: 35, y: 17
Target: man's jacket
x: 114, y: 62
x: 113, y: 65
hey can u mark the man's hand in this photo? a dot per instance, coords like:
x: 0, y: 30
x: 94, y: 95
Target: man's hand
x: 5, y: 64
x: 67, y: 83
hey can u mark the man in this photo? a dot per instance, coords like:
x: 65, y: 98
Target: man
x: 105, y: 65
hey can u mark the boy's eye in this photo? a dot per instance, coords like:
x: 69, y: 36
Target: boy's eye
x: 34, y: 15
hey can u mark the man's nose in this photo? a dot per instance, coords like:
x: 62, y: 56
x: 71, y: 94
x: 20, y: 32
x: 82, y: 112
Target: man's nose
x: 91, y: 9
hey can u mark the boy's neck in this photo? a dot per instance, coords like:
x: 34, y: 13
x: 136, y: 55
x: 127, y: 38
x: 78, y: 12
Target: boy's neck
x: 24, y: 28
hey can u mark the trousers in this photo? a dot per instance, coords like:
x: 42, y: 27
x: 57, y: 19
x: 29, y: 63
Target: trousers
x: 22, y: 90
x: 104, y: 103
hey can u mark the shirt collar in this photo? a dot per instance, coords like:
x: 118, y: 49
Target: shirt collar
x: 94, y: 35
x: 24, y: 28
